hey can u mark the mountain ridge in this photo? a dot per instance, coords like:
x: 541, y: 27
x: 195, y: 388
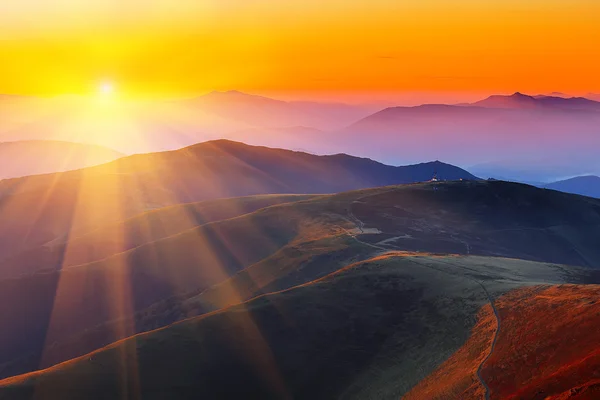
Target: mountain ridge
x: 210, y: 170
x: 451, y: 132
x: 520, y: 100
x: 32, y: 157
x: 585, y: 185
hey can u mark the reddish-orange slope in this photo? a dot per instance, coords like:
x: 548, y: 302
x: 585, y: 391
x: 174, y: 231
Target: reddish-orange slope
x: 457, y: 377
x: 547, y: 349
x: 547, y: 345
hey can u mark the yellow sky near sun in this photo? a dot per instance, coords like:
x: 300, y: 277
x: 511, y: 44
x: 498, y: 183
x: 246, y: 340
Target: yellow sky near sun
x: 178, y: 48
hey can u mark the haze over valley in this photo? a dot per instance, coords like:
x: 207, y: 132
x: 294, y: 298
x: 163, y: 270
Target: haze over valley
x: 517, y: 137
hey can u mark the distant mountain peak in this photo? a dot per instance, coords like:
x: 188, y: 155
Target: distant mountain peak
x: 227, y: 93
x: 515, y: 100
x: 585, y: 185
x: 519, y: 100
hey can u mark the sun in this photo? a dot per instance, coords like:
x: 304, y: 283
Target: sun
x: 106, y: 93
x: 106, y: 89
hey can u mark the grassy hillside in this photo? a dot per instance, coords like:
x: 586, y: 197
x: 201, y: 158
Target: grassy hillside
x: 457, y: 377
x: 546, y: 348
x: 133, y: 232
x: 294, y: 264
x: 42, y: 208
x: 548, y: 344
x: 223, y: 263
x: 371, y: 330
x: 53, y: 306
x: 486, y: 218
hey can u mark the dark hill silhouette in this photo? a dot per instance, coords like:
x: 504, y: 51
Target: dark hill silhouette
x: 588, y: 185
x: 33, y: 157
x: 71, y: 203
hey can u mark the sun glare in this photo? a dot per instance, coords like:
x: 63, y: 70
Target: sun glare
x: 106, y: 88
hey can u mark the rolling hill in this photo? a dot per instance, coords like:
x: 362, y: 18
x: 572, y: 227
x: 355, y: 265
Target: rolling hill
x: 583, y: 185
x: 69, y: 204
x: 371, y: 330
x: 133, y: 232
x: 545, y: 349
x: 64, y: 303
x: 45, y: 156
x: 224, y: 262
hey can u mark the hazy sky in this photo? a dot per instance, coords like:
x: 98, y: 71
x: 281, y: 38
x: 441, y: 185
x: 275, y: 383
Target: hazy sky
x: 180, y: 48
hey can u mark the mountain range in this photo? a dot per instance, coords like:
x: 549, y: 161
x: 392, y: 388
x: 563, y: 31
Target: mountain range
x: 537, y: 171
x: 584, y: 185
x: 474, y: 134
x: 260, y: 111
x: 46, y: 156
x: 522, y: 101
x: 134, y: 127
x: 61, y: 205
x: 551, y: 127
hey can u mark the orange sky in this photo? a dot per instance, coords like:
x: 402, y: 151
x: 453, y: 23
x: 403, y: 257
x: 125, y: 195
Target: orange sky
x: 172, y: 48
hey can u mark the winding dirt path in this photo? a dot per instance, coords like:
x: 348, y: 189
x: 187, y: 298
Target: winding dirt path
x: 360, y: 225
x: 495, y: 338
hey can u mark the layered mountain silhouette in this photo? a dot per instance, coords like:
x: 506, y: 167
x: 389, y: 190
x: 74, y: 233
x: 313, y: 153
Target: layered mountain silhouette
x: 265, y: 112
x: 62, y: 205
x: 584, y: 185
x: 539, y: 171
x: 521, y: 126
x: 523, y: 101
x: 46, y: 156
x: 132, y: 127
